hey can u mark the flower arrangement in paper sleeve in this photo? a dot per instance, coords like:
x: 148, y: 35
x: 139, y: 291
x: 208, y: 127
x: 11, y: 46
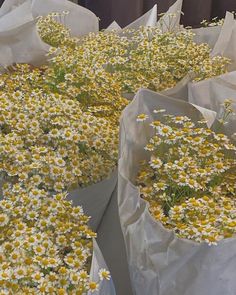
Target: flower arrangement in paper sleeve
x: 190, y: 180
x: 47, y: 140
x: 45, y: 244
x: 102, y: 66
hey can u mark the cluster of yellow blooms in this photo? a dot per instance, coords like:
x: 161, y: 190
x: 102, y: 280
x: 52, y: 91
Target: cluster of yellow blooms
x: 47, y: 140
x: 107, y: 64
x: 77, y: 71
x: 52, y: 30
x: 190, y: 179
x: 49, y: 144
x: 45, y: 244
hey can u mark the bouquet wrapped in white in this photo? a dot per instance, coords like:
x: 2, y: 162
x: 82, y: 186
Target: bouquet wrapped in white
x: 172, y: 209
x: 45, y: 167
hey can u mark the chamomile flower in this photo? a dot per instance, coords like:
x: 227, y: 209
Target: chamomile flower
x: 142, y: 118
x: 155, y: 162
x: 164, y: 130
x: 93, y: 286
x: 104, y: 274
x: 4, y: 219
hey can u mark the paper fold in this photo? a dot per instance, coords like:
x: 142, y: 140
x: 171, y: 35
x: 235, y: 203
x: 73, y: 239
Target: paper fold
x: 171, y: 19
x: 106, y: 287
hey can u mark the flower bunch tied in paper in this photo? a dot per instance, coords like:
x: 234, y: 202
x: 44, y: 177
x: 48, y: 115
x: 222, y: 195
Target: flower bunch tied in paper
x: 189, y: 179
x: 47, y: 140
x: 45, y: 244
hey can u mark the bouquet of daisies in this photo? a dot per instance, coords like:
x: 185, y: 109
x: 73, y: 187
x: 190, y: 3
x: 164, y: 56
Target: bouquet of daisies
x: 177, y: 191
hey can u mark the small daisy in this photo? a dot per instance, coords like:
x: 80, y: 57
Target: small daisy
x: 142, y: 118
x: 155, y: 162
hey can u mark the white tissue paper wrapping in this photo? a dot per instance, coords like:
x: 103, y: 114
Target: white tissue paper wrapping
x: 180, y: 90
x: 226, y: 43
x: 212, y: 93
x: 15, y: 17
x: 80, y: 20
x: 106, y: 287
x: 159, y: 262
x: 171, y: 19
x: 22, y: 45
x: 149, y: 19
x: 19, y: 38
x: 207, y: 35
x: 113, y: 26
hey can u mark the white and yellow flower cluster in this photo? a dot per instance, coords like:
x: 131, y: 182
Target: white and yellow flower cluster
x: 45, y: 244
x: 47, y: 140
x: 190, y: 179
x: 126, y: 61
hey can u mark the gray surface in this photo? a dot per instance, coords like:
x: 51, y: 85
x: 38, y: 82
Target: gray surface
x: 94, y: 199
x: 111, y: 243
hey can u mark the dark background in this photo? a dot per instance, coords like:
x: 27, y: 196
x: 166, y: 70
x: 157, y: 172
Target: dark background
x: 125, y: 11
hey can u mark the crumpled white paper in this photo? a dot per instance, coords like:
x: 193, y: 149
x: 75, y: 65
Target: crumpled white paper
x: 22, y: 44
x: 80, y: 20
x: 226, y: 43
x: 180, y: 90
x: 147, y: 20
x: 106, y: 287
x: 16, y: 17
x: 207, y: 35
x: 111, y: 242
x: 19, y: 39
x: 171, y: 19
x: 113, y: 26
x: 212, y: 93
x: 159, y: 262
